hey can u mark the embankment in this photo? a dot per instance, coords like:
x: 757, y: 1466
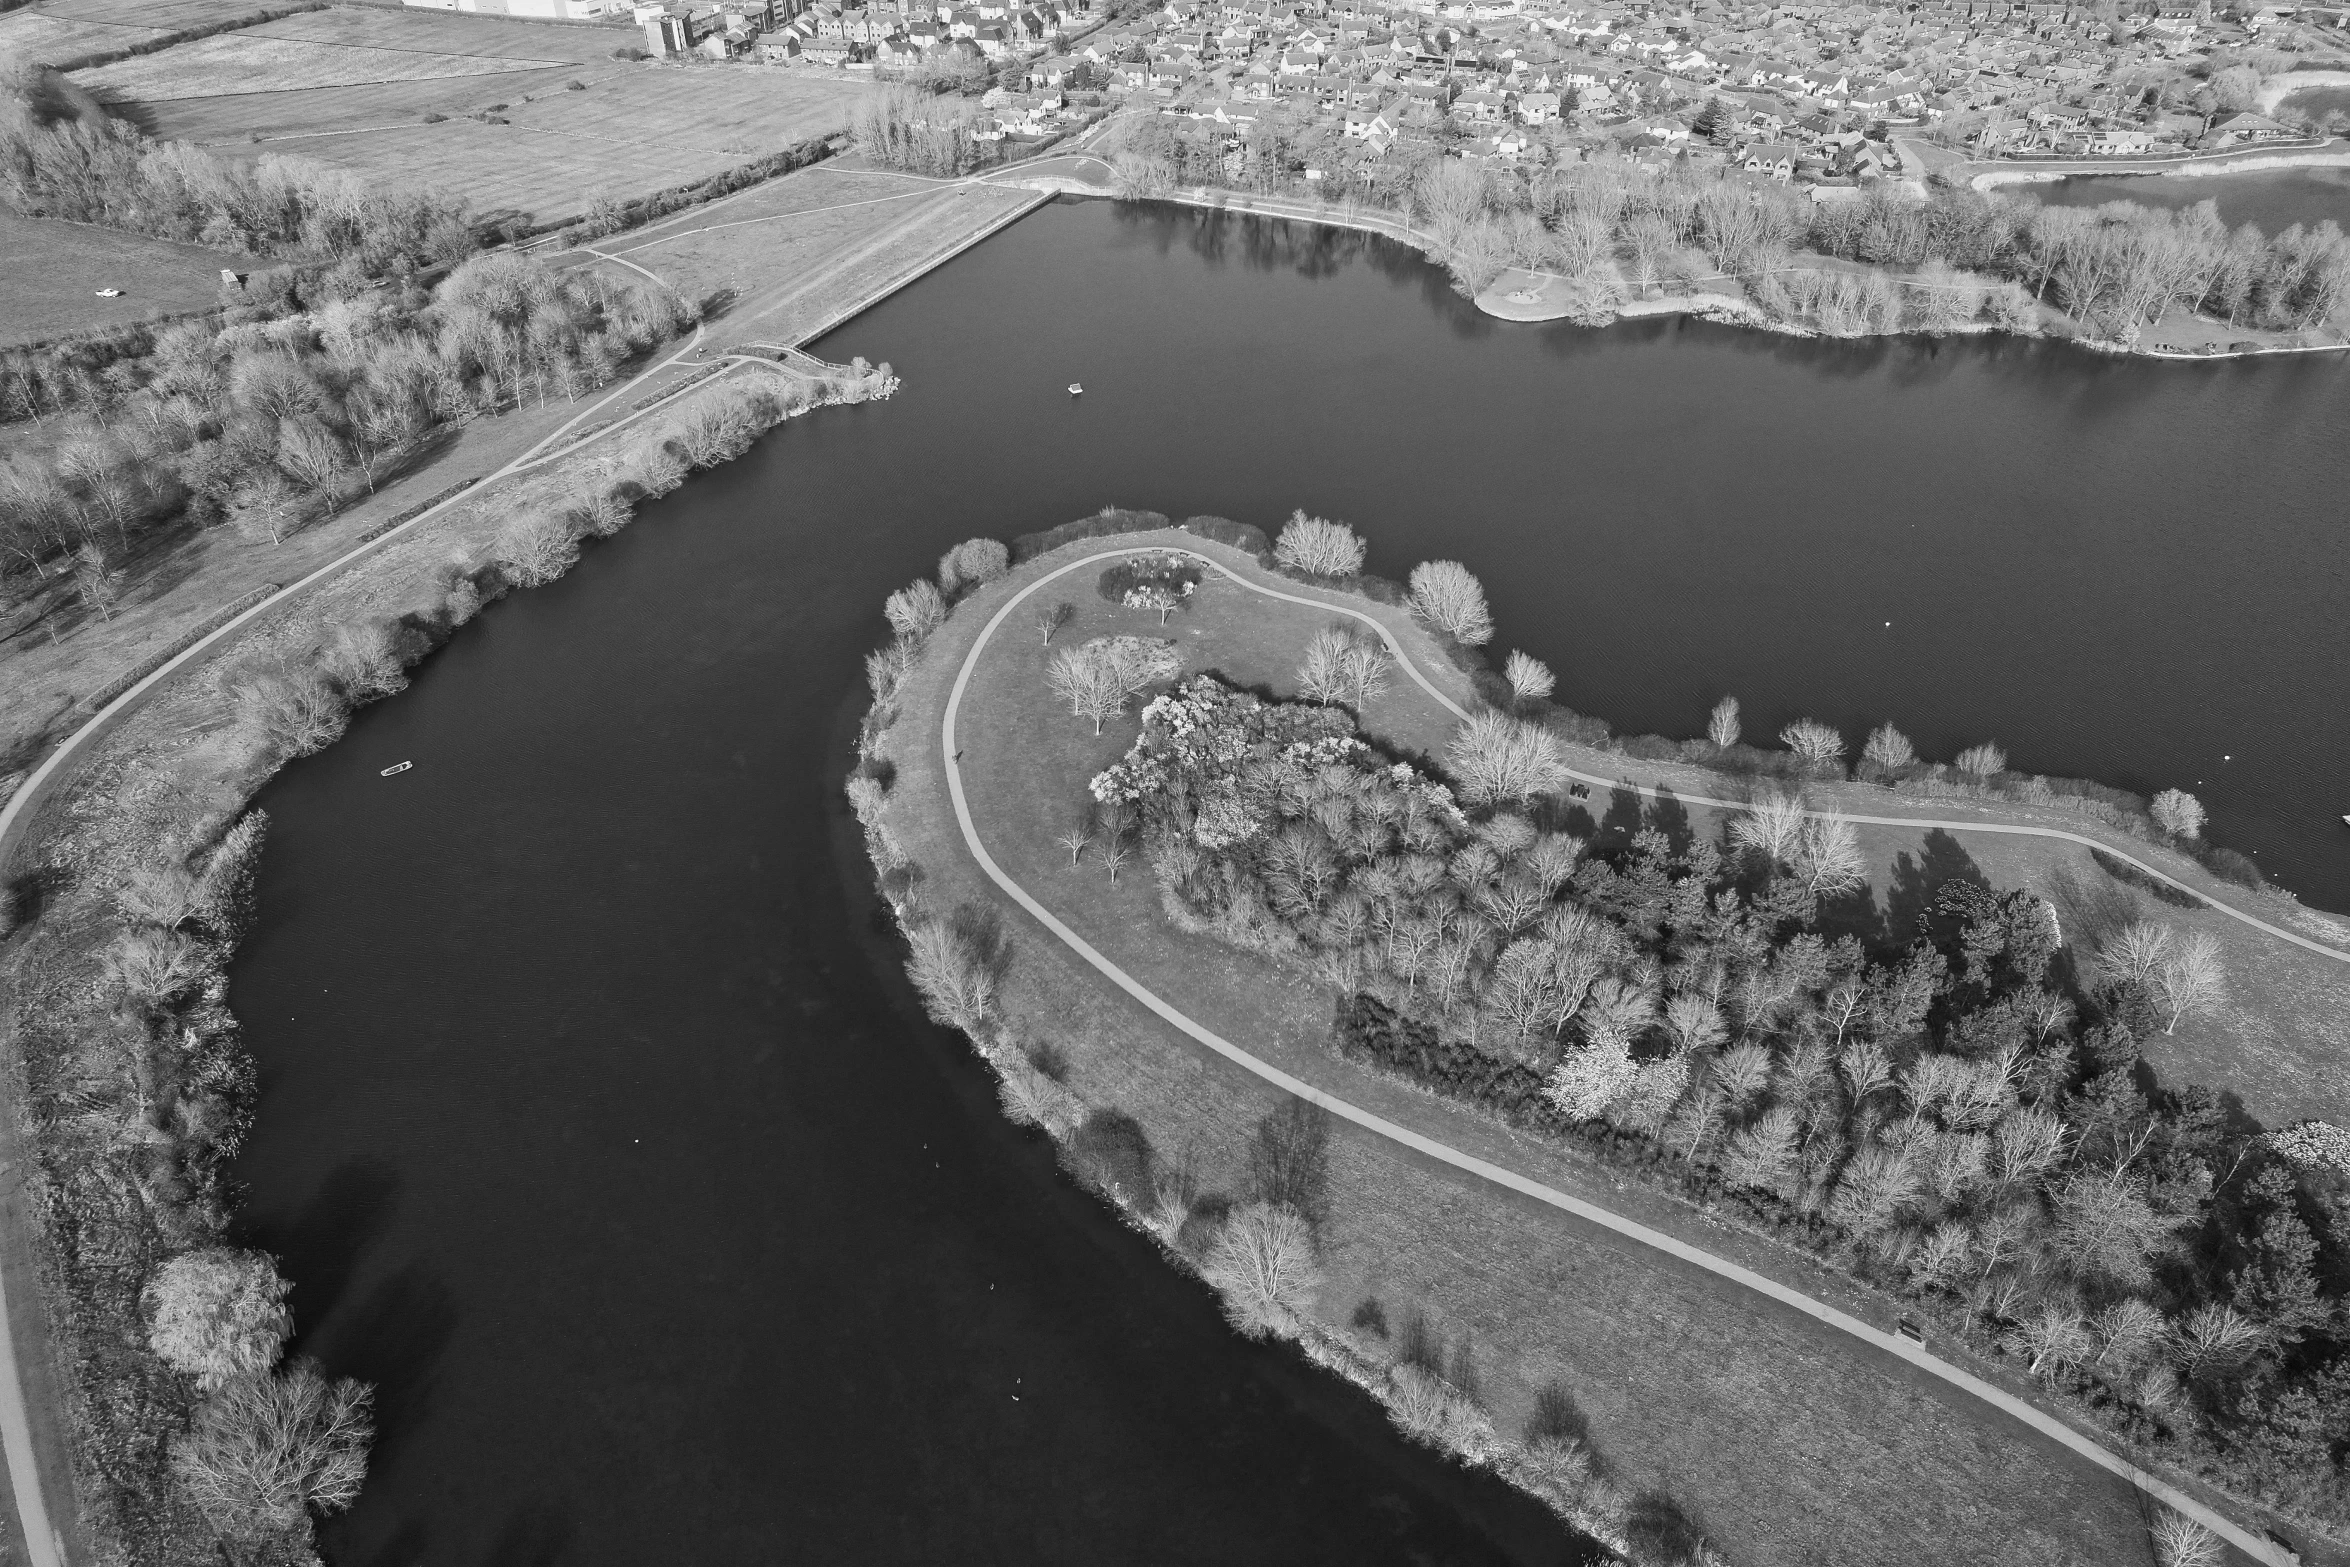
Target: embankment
x: 111, y: 994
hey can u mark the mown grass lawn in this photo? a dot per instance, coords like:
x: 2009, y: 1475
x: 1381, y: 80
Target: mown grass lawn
x: 1787, y: 1442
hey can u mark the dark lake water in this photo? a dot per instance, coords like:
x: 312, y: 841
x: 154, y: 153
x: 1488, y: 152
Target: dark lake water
x: 599, y: 1128
x: 2273, y: 200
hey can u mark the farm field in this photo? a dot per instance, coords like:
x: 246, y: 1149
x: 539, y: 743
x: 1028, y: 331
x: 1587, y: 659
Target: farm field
x: 243, y: 63
x: 52, y: 32
x: 53, y: 270
x: 353, y: 88
x: 1784, y: 1445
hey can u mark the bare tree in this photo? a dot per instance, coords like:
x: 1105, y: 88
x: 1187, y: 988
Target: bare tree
x: 265, y: 1449
x: 1888, y: 748
x: 917, y: 610
x: 2179, y: 1541
x: 1321, y: 675
x: 1264, y: 1266
x: 1053, y: 617
x: 1814, y: 741
x: 1448, y: 598
x: 1318, y: 547
x: 957, y: 988
x: 1495, y: 757
x: 2178, y: 813
x: 1722, y: 726
x: 2132, y: 954
x: 2190, y: 979
x: 1982, y: 761
x: 100, y: 581
x: 1828, y: 856
x: 971, y: 564
x: 2052, y: 1336
x: 1772, y: 825
x: 1529, y: 677
x: 536, y: 547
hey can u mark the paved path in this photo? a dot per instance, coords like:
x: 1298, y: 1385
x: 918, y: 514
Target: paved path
x: 42, y: 1541
x: 2047, y: 1425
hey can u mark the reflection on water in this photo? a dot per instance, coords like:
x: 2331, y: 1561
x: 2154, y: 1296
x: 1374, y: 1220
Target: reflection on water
x: 2272, y: 200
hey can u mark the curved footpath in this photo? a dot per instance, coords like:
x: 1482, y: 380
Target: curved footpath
x: 44, y: 1543
x: 2047, y: 1425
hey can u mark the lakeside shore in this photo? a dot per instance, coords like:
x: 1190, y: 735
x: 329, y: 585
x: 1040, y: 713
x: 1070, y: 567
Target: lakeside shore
x: 162, y: 773
x: 1535, y: 298
x: 2187, y: 166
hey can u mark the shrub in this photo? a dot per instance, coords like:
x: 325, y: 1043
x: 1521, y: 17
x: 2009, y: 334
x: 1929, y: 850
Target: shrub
x: 1448, y: 598
x: 916, y: 611
x: 1818, y: 745
x: 1529, y: 677
x: 950, y: 972
x: 1982, y: 761
x: 1433, y: 1412
x: 217, y: 1314
x: 1888, y: 749
x: 153, y: 967
x: 291, y: 712
x: 970, y: 564
x: 536, y: 547
x: 2178, y: 813
x: 1318, y: 547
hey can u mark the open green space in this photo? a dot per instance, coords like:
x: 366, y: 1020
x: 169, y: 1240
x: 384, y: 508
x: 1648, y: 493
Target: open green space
x: 55, y: 269
x: 487, y: 106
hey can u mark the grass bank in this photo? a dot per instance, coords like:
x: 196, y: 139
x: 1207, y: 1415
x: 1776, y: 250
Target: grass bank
x: 134, y: 1090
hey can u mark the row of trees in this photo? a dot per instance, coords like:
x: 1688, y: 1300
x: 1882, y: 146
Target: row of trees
x: 91, y: 168
x: 263, y: 424
x: 1957, y: 258
x: 145, y: 1104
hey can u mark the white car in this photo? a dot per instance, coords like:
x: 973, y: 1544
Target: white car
x: 110, y: 293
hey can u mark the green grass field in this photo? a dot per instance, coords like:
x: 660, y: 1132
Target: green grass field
x: 1788, y: 1443
x: 352, y: 87
x: 50, y: 32
x: 54, y: 270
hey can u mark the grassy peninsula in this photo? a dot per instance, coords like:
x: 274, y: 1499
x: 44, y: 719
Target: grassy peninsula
x: 1956, y: 1111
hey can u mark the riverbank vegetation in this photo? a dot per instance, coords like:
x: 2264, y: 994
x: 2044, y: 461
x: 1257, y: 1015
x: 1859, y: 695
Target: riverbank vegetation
x: 1966, y: 1122
x: 298, y: 396
x: 190, y: 1436
x: 1884, y: 261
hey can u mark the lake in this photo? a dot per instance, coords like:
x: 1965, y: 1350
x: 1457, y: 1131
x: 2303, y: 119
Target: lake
x: 600, y: 1128
x: 2272, y: 200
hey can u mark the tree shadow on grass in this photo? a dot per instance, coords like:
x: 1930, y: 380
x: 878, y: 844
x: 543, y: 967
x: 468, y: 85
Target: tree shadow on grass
x: 1916, y: 878
x: 1660, y: 1529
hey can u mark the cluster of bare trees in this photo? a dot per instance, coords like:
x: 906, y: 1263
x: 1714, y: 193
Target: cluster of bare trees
x: 2115, y: 266
x: 903, y: 127
x: 92, y: 168
x: 1344, y: 663
x: 263, y: 424
x: 1098, y: 678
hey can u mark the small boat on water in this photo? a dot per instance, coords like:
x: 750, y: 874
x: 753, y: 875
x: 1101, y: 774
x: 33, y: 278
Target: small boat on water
x: 1075, y: 390
x: 396, y: 767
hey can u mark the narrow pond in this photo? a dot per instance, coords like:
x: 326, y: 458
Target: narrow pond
x: 2272, y: 200
x: 599, y: 1128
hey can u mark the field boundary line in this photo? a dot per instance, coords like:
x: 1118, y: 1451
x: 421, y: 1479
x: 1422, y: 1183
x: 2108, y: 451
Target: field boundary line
x: 1890, y: 1343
